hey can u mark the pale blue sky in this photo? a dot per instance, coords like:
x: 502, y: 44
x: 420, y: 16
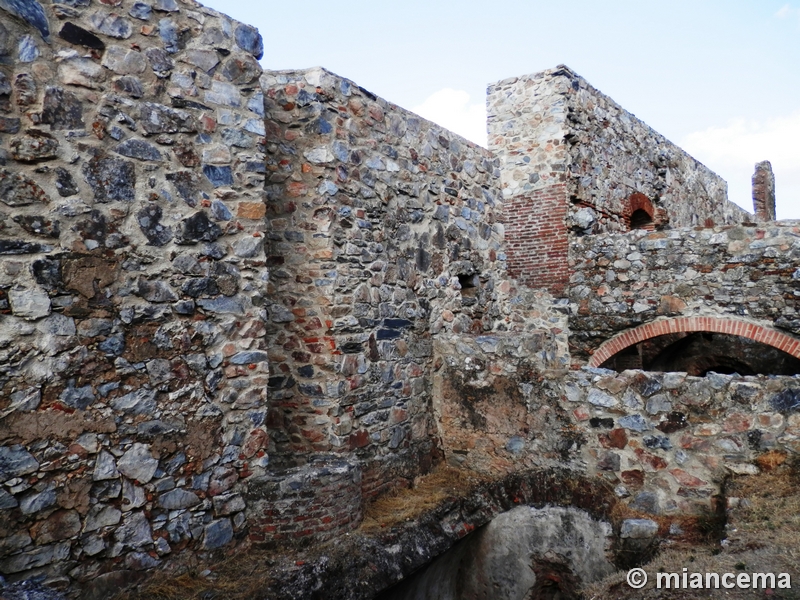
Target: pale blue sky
x: 720, y: 78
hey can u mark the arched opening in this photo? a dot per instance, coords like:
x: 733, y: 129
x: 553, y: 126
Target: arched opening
x: 641, y: 220
x: 698, y: 345
x: 698, y: 353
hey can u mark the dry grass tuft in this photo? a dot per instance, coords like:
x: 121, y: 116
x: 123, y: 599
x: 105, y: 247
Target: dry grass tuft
x: 763, y: 535
x: 428, y: 492
x: 769, y: 461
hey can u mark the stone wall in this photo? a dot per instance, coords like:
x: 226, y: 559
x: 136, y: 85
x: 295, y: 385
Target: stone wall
x: 623, y: 280
x: 132, y: 362
x: 668, y: 441
x: 573, y: 162
x: 384, y: 233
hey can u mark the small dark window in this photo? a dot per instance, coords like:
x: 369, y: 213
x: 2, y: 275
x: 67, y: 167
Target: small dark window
x: 641, y: 220
x: 470, y: 285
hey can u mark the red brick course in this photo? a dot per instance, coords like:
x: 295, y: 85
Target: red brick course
x: 759, y: 333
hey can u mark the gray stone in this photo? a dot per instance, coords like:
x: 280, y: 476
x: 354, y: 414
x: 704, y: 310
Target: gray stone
x: 220, y: 212
x: 203, y: 59
x: 62, y: 109
x: 157, y: 118
x: 600, y: 398
x: 110, y: 178
x: 249, y: 247
x: 39, y: 225
x: 198, y: 228
x: 29, y: 11
x: 584, y: 218
x: 38, y: 501
x: 638, y: 528
x: 139, y: 149
x: 249, y: 40
x: 129, y: 84
x: 82, y: 72
x: 7, y: 501
x: 159, y: 370
x: 101, y: 515
x: 138, y: 463
x: 177, y: 499
x: 280, y: 314
x: 79, y: 398
x: 34, y: 146
x: 227, y: 504
x: 149, y: 219
x: 65, y: 184
x: 319, y: 155
x: 135, y: 531
x: 33, y: 559
x: 90, y: 328
x: 160, y: 61
x: 634, y: 423
x: 18, y: 190
x: 168, y: 31
x: 138, y: 402
x: 111, y: 24
x: 217, y: 534
x: 156, y: 291
x: 133, y: 496
x: 218, y: 175
x: 647, y: 502
x: 16, y: 461
x: 25, y: 400
x: 223, y: 93
x: 29, y: 303
x: 140, y: 11
x: 233, y: 306
x: 105, y: 467
x: 659, y: 403
x: 27, y: 49
x: 246, y: 358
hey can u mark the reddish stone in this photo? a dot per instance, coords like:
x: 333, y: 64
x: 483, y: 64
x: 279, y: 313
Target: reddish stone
x: 359, y: 439
x: 257, y: 440
x: 687, y: 479
x: 650, y: 461
x: 737, y: 422
x: 296, y: 189
x: 633, y: 478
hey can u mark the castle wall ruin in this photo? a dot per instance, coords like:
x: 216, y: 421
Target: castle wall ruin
x: 236, y: 304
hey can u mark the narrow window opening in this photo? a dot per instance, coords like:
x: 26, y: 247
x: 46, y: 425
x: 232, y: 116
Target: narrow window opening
x: 641, y: 220
x: 470, y: 285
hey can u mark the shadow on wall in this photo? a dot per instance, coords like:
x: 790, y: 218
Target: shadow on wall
x: 524, y: 553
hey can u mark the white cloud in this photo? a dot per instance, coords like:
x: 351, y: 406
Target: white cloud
x: 452, y: 109
x: 787, y: 11
x: 733, y: 150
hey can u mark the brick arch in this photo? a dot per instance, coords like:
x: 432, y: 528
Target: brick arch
x: 639, y: 201
x: 759, y: 333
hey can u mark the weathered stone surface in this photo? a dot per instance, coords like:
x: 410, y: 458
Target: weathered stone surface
x: 18, y: 190
x: 100, y: 516
x: 218, y: 175
x: 61, y: 525
x: 129, y: 84
x: 39, y: 225
x: 638, y: 528
x: 140, y: 149
x: 228, y: 504
x: 105, y: 467
x: 197, y: 228
x: 217, y: 534
x: 141, y: 11
x: 29, y: 303
x: 35, y: 558
x: 18, y: 247
x: 157, y: 118
x: 177, y: 499
x: 111, y: 25
x: 31, y: 12
x: 65, y: 184
x: 249, y: 40
x: 138, y: 463
x: 15, y: 461
x: 110, y: 179
x: 62, y: 109
x: 34, y: 146
x: 83, y: 72
x: 149, y: 219
x: 35, y: 502
x: 135, y: 531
